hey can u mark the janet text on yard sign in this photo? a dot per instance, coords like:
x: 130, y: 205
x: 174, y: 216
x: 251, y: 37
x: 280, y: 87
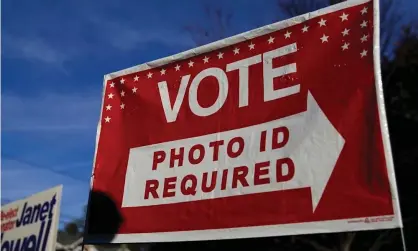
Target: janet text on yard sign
x: 277, y: 131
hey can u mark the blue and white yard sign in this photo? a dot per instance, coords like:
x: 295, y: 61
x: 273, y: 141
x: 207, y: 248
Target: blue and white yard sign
x: 31, y: 224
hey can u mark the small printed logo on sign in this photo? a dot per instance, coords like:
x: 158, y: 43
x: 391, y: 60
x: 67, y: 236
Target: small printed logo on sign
x: 378, y: 219
x: 373, y: 219
x: 8, y: 219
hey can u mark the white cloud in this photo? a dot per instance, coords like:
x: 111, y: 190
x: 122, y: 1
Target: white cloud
x: 123, y: 36
x: 34, y: 49
x: 105, y: 36
x: 54, y: 125
x: 20, y: 180
x: 50, y: 112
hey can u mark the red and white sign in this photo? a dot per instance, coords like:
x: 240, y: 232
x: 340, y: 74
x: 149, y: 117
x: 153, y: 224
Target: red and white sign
x: 277, y: 131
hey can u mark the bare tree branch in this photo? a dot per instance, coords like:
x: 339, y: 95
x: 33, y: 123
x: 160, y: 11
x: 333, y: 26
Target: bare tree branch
x: 389, y: 19
x: 346, y: 240
x: 217, y: 27
x: 298, y: 7
x: 385, y: 238
x: 313, y: 243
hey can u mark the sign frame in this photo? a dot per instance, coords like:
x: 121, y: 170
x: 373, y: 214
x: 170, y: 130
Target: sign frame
x: 357, y: 224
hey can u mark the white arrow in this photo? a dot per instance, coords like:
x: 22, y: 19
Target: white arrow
x: 315, y: 152
x: 314, y: 146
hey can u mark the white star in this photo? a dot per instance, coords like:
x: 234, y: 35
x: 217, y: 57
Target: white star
x: 364, y: 24
x: 324, y: 38
x: 149, y: 75
x: 220, y: 55
x: 206, y: 59
x: 236, y: 51
x: 122, y: 81
x: 322, y: 22
x: 344, y: 17
x: 136, y: 78
x: 191, y: 63
x: 107, y: 119
x: 364, y: 38
x: 251, y: 46
x: 134, y: 90
x: 364, y: 11
x: 363, y: 53
x: 162, y: 71
x: 287, y: 34
x: 345, y: 46
x: 110, y: 95
x: 305, y: 29
x: 345, y: 32
x: 271, y: 40
x: 177, y: 67
x: 108, y: 107
x: 122, y: 93
x: 122, y: 106
x: 112, y: 84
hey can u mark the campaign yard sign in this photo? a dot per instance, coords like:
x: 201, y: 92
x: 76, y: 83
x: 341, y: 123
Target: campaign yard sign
x: 277, y: 131
x: 31, y: 223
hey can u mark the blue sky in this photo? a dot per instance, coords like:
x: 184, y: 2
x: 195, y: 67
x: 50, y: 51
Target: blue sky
x: 54, y: 56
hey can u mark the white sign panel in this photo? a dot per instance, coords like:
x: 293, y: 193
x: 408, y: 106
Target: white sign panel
x: 31, y: 224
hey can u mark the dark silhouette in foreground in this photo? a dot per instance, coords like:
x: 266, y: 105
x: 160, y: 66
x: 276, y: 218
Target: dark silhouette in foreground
x: 103, y: 219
